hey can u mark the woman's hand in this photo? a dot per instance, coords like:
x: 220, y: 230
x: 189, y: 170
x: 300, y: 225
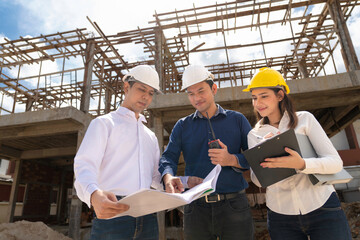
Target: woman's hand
x: 294, y: 160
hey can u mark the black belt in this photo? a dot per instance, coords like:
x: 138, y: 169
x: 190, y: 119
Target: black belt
x: 219, y: 197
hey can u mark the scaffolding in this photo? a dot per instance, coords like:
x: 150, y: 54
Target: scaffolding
x: 83, y: 69
x: 213, y: 33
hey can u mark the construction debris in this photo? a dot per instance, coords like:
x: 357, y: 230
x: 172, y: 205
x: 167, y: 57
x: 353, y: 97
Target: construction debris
x: 352, y: 212
x: 261, y: 231
x: 25, y: 230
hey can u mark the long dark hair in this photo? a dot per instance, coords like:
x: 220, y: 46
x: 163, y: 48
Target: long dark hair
x: 284, y: 105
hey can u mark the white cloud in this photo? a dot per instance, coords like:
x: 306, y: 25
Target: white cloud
x: 51, y: 16
x: 2, y: 38
x: 34, y: 69
x: 112, y: 16
x: 353, y: 24
x: 7, y: 103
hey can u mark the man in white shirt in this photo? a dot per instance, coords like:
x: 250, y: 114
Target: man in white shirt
x: 118, y: 156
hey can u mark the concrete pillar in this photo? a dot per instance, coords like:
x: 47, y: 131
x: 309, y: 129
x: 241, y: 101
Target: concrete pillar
x: 107, y: 100
x: 159, y: 132
x: 161, y: 223
x: 347, y: 47
x: 14, y: 191
x: 159, y: 56
x: 302, y: 69
x: 89, y: 62
x: 75, y: 216
x: 76, y: 203
x: 29, y: 104
x: 60, y: 197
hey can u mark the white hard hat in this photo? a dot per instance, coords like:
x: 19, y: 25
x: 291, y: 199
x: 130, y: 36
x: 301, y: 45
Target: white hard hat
x: 194, y: 74
x: 144, y: 74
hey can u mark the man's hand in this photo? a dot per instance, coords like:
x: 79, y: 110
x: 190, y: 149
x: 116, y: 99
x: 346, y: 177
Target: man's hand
x: 106, y: 204
x: 223, y: 157
x: 193, y: 181
x: 294, y: 160
x: 173, y: 184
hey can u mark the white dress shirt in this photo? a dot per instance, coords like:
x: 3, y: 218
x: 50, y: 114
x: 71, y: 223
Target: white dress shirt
x: 296, y: 194
x: 118, y: 154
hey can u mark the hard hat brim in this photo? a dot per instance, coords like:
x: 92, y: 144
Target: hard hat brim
x: 285, y: 88
x: 129, y: 75
x: 210, y: 78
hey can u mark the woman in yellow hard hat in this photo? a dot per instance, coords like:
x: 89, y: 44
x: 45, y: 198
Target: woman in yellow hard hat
x: 297, y: 209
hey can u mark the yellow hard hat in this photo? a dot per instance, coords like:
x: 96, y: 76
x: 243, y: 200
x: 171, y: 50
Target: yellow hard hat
x: 267, y: 77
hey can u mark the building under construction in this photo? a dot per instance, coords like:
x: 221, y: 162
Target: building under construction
x: 43, y: 117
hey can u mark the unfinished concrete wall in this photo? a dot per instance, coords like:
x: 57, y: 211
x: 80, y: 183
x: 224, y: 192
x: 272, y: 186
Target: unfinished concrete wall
x: 41, y: 180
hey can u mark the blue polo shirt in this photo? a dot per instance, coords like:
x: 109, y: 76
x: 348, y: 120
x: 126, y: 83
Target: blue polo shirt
x: 191, y: 135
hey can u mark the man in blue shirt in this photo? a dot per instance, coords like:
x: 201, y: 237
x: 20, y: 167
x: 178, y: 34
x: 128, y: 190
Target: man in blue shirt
x: 226, y: 213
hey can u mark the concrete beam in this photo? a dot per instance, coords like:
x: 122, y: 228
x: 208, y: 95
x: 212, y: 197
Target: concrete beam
x: 322, y: 100
x: 318, y: 86
x: 9, y: 152
x: 302, y: 102
x: 38, y: 130
x: 325, y: 84
x: 40, y: 116
x: 48, y: 153
x: 334, y: 115
x: 63, y: 162
x: 353, y: 115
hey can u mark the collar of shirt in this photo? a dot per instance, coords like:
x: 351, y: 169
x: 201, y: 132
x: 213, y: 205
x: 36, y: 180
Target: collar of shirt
x: 219, y: 110
x: 125, y: 111
x: 284, y: 121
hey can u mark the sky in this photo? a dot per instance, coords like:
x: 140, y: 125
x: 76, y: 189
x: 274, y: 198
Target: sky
x: 34, y: 17
x: 30, y: 18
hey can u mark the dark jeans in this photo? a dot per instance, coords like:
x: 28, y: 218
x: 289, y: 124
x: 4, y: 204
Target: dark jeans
x: 326, y: 223
x: 125, y: 228
x: 227, y: 219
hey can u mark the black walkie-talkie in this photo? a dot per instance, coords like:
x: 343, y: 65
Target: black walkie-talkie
x: 215, y: 142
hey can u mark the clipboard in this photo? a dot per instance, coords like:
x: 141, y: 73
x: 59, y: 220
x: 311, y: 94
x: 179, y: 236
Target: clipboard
x: 307, y: 150
x: 273, y: 147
